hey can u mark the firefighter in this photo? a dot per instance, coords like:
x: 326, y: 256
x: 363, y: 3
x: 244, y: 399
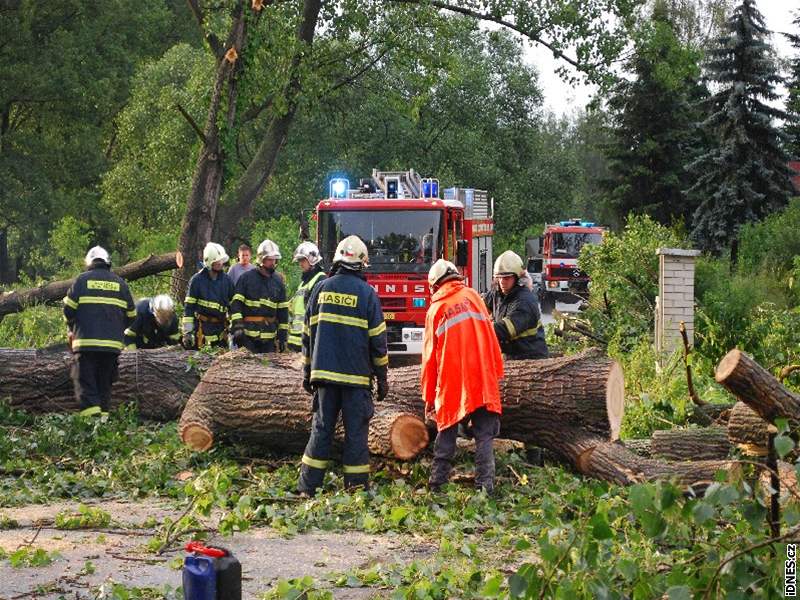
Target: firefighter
x: 344, y: 348
x: 308, y: 257
x: 461, y: 367
x: 515, y: 311
x: 259, y: 307
x: 155, y: 324
x: 98, y: 307
x: 205, y: 309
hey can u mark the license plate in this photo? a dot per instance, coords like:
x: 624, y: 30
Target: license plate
x: 388, y: 316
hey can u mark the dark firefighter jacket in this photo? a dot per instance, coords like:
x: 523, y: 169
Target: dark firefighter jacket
x: 259, y: 306
x: 298, y: 303
x: 517, y: 322
x: 207, y: 299
x: 98, y: 307
x: 145, y: 332
x: 344, y: 335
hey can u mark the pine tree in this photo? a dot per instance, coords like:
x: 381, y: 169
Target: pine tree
x: 653, y: 116
x: 745, y: 175
x: 792, y: 126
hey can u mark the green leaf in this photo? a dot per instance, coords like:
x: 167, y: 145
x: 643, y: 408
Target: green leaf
x: 492, y: 587
x: 517, y: 586
x: 679, y: 592
x: 399, y: 514
x: 702, y: 512
x: 783, y: 445
x: 600, y: 528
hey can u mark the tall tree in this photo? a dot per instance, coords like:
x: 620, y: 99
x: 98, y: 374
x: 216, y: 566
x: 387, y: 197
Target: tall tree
x: 792, y: 124
x: 652, y: 131
x: 744, y: 176
x: 226, y: 184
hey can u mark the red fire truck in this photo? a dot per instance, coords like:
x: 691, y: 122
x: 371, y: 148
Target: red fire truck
x: 553, y: 261
x: 407, y: 226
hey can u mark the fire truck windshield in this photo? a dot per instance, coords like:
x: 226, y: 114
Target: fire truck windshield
x: 407, y: 241
x: 569, y: 245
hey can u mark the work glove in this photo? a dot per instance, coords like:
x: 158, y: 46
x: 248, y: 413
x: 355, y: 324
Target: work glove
x: 238, y: 336
x: 308, y: 387
x: 281, y: 346
x: 383, y: 389
x: 188, y: 341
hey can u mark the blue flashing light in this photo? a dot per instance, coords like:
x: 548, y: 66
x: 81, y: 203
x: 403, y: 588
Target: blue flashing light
x: 339, y: 187
x: 430, y: 188
x: 576, y: 223
x: 418, y: 302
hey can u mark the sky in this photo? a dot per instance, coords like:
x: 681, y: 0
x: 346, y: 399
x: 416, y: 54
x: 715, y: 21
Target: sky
x: 565, y: 98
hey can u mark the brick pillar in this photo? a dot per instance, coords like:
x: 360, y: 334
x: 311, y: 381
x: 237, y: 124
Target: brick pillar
x: 675, y: 301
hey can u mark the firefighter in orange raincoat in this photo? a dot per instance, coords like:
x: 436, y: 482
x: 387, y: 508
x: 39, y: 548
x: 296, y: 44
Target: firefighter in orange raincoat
x: 461, y: 366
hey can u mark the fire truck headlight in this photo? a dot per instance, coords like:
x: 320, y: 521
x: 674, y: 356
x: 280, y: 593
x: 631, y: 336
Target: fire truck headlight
x: 339, y: 188
x: 552, y: 284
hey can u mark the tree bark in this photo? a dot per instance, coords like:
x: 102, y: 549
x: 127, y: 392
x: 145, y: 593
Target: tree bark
x: 748, y: 430
x: 159, y: 381
x: 201, y: 206
x: 260, y: 399
x: 12, y: 302
x: 640, y: 447
x: 757, y: 387
x: 709, y: 443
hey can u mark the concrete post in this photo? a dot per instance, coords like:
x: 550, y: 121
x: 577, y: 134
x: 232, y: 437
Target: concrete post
x: 675, y: 301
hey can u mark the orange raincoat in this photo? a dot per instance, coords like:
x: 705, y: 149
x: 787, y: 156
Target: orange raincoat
x: 461, y: 360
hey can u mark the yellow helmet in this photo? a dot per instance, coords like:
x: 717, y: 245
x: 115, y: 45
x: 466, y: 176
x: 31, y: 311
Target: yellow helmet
x: 509, y: 263
x: 441, y: 271
x: 352, y: 253
x: 214, y: 253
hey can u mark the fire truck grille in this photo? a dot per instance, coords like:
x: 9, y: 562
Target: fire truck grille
x: 393, y: 303
x: 567, y: 272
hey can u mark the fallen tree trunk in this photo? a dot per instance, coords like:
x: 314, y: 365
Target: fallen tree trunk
x: 757, y: 387
x: 260, y: 399
x: 540, y: 397
x: 748, y: 430
x: 13, y: 302
x: 708, y: 443
x: 560, y: 404
x: 159, y: 381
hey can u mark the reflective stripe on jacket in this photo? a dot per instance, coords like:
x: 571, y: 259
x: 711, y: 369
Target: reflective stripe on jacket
x: 207, y: 297
x: 344, y: 335
x: 263, y: 297
x: 297, y: 307
x: 145, y: 332
x: 461, y: 361
x: 98, y: 307
x: 517, y: 322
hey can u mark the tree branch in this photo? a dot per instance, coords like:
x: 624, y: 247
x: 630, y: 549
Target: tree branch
x: 194, y: 125
x: 212, y: 39
x: 533, y: 36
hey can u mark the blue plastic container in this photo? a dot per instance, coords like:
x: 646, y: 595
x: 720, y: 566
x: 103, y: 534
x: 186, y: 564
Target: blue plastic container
x: 199, y: 578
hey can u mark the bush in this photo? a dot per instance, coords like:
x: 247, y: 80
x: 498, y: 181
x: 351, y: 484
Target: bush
x: 624, y: 269
x: 36, y: 327
x: 773, y: 244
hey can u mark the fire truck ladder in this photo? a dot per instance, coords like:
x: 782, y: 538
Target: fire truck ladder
x: 408, y: 183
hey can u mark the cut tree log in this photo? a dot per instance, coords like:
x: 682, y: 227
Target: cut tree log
x: 260, y: 399
x: 159, y: 381
x: 53, y: 292
x: 639, y: 446
x: 572, y: 406
x: 540, y: 397
x: 748, y: 430
x: 757, y: 387
x: 707, y: 443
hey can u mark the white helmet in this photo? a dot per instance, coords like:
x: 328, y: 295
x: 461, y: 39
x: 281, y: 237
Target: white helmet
x: 162, y: 307
x: 213, y: 253
x: 267, y: 249
x: 441, y: 271
x: 352, y: 253
x: 309, y: 251
x: 509, y: 263
x: 97, y: 253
